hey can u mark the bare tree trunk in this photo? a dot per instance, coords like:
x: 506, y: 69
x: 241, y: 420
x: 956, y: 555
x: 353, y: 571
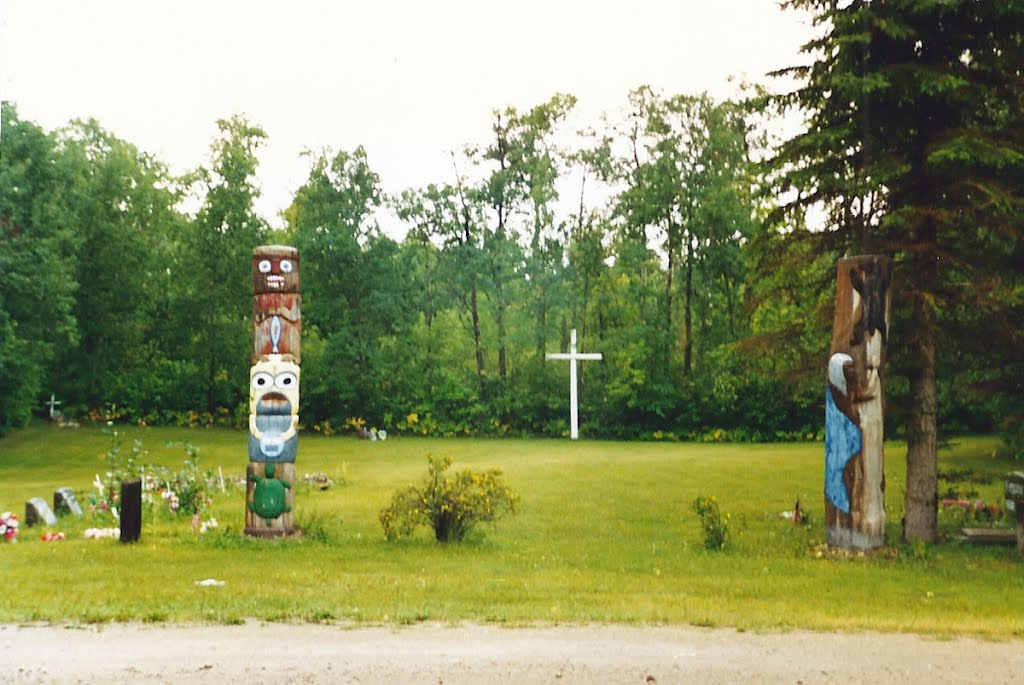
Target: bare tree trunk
x: 211, y: 382
x: 688, y: 306
x: 730, y: 306
x: 475, y: 313
x: 499, y: 293
x: 921, y: 501
x: 670, y: 272
x: 855, y: 405
x: 474, y: 309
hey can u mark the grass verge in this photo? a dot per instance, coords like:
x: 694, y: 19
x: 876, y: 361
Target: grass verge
x: 605, y: 533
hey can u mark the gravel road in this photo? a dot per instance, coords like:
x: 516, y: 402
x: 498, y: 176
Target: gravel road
x: 255, y: 653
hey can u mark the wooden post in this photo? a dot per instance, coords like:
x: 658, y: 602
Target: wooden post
x: 273, y: 392
x: 1020, y: 529
x: 854, y: 405
x: 131, y: 510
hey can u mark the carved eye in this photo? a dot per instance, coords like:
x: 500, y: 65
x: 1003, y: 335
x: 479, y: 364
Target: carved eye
x: 264, y: 266
x: 286, y: 380
x: 262, y: 380
x: 286, y: 266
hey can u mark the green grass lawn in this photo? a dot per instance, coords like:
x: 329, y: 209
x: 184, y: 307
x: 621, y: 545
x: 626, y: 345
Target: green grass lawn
x: 605, y: 533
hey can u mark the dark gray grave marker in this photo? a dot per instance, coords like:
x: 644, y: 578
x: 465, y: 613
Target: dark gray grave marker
x: 36, y: 510
x: 64, y: 502
x: 131, y: 510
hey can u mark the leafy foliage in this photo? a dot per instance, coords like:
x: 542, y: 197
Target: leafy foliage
x: 37, y: 284
x: 451, y: 505
x: 714, y: 525
x: 187, y: 491
x: 126, y: 290
x: 914, y: 149
x: 122, y: 465
x: 190, y: 489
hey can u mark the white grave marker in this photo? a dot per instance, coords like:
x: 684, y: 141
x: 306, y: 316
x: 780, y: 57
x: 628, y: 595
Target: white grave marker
x: 53, y: 405
x: 573, y: 357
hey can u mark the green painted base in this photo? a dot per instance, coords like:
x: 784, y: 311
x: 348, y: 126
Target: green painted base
x: 281, y: 525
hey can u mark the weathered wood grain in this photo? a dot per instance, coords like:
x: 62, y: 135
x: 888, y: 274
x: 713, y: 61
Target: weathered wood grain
x: 855, y: 405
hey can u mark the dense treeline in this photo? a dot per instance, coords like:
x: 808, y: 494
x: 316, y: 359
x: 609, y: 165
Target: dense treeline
x: 662, y: 237
x: 124, y: 305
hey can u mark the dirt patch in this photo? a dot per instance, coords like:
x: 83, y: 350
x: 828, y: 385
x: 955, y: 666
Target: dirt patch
x: 255, y: 653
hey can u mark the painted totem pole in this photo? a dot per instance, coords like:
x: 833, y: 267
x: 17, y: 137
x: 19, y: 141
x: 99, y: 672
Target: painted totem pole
x: 273, y: 392
x: 854, y: 405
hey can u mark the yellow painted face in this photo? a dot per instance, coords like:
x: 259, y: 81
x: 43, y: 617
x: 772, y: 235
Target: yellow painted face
x: 274, y: 387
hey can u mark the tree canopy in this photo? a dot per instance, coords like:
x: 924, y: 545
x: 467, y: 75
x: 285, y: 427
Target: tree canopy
x: 704, y: 271
x: 913, y: 148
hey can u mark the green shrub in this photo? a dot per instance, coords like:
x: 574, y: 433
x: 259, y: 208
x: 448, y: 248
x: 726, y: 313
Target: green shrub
x: 714, y: 525
x: 121, y: 465
x: 449, y: 504
x: 184, y: 492
x: 189, y: 490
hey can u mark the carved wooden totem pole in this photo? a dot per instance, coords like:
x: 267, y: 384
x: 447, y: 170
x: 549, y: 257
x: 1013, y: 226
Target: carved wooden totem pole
x: 273, y: 392
x: 854, y: 405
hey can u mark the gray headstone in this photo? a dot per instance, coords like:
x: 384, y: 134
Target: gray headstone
x: 36, y: 510
x: 64, y: 502
x: 1014, y: 490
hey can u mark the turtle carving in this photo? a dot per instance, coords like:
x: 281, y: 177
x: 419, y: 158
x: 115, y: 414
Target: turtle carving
x: 268, y: 497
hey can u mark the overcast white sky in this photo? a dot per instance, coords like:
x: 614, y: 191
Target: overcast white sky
x: 407, y: 79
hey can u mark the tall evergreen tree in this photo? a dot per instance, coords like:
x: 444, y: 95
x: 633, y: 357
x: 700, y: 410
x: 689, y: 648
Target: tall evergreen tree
x: 914, y: 147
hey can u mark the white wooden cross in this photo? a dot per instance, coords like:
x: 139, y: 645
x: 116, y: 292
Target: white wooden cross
x: 53, y: 403
x: 572, y: 358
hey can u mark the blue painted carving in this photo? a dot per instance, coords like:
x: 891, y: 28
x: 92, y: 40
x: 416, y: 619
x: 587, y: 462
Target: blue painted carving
x: 842, y: 441
x: 275, y: 334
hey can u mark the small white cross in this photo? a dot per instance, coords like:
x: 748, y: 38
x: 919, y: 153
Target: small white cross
x: 572, y: 358
x: 53, y: 403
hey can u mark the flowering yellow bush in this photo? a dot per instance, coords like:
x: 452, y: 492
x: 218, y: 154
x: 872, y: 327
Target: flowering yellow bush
x: 713, y: 523
x: 450, y: 504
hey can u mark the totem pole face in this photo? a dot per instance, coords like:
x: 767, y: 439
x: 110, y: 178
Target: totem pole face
x: 273, y: 391
x: 273, y: 410
x: 275, y: 269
